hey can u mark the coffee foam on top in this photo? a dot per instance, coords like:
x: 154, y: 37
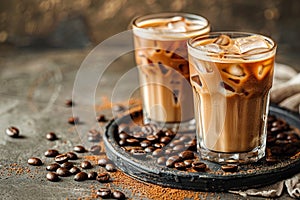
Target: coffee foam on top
x: 170, y: 28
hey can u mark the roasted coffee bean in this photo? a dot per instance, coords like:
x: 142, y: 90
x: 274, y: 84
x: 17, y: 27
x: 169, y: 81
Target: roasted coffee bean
x: 157, y: 153
x: 103, y: 177
x: 34, y: 161
x: 92, y: 175
x: 51, y: 153
x: 73, y: 120
x: 199, y: 166
x: 138, y: 152
x: 101, y: 118
x: 145, y: 143
x: 170, y: 133
x: 81, y: 176
x: 94, y: 135
x: 159, y: 133
x: 175, y: 142
x: 51, y: 136
x: 165, y: 139
x: 159, y: 145
x: 103, y: 161
x: 118, y: 195
x: 69, y: 103
x: 12, y: 132
x: 149, y: 149
x: 281, y: 136
x: 72, y: 155
x: 85, y: 165
x: 132, y: 141
x: 79, y: 149
x: 178, y: 148
x: 103, y: 193
x: 180, y: 165
x: 122, y: 142
x: 161, y: 160
x: 74, y: 170
x: 229, y: 168
x: 62, y: 171
x: 110, y: 167
x: 185, y: 138
x: 152, y: 138
x: 67, y: 165
x: 188, y: 163
x: 139, y: 135
x: 61, y: 158
x: 187, y: 154
x: 51, y: 176
x: 96, y: 149
x: 172, y: 160
x: 52, y: 167
x: 168, y: 151
x: 123, y: 135
x: 292, y: 136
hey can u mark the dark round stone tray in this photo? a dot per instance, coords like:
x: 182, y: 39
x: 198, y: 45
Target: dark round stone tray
x: 248, y: 176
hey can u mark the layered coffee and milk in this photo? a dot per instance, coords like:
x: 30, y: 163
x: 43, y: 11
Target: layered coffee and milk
x: 161, y: 55
x: 231, y: 78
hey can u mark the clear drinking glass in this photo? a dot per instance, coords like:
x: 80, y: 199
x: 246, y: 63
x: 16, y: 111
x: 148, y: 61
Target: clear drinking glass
x: 231, y: 74
x: 161, y: 56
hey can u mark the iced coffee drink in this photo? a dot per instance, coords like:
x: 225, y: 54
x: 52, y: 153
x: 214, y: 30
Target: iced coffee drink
x: 231, y: 75
x: 161, y: 56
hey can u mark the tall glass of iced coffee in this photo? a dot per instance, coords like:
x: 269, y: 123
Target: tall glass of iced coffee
x: 161, y: 56
x: 231, y: 74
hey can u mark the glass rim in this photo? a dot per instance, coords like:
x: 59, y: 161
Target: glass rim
x: 134, y: 22
x: 233, y: 34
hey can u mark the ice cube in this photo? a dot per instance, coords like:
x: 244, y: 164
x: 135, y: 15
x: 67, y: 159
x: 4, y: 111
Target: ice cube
x: 251, y: 43
x: 235, y: 70
x: 179, y: 26
x: 223, y: 40
x: 213, y: 48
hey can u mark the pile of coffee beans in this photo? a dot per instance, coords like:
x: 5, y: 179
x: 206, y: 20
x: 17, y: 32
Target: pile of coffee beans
x: 282, y: 139
x: 178, y: 150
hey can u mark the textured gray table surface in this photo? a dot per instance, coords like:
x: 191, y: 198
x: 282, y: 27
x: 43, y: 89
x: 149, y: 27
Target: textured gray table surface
x: 33, y: 89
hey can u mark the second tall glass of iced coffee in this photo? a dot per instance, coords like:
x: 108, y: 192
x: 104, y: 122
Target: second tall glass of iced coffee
x: 231, y: 74
x: 162, y: 58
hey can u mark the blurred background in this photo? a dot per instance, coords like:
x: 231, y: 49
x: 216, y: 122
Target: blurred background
x: 82, y: 24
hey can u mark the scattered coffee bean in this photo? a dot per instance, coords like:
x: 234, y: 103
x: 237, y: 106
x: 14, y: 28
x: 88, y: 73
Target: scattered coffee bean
x: 73, y: 120
x: 62, y: 171
x: 157, y: 153
x: 138, y: 152
x: 104, y: 193
x: 159, y: 145
x: 12, y: 132
x: 103, y: 161
x: 165, y: 139
x: 118, y: 195
x: 72, y: 155
x: 101, y: 118
x: 51, y: 136
x: 61, y: 158
x: 123, y: 135
x: 180, y: 165
x: 185, y: 138
x: 172, y: 160
x: 51, y: 176
x: 132, y: 141
x: 92, y: 175
x: 145, y: 143
x: 69, y: 103
x: 81, y: 176
x: 152, y: 138
x: 52, y: 167
x: 179, y: 147
x: 161, y: 160
x: 34, y: 161
x: 96, y: 149
x: 187, y: 155
x: 110, y: 167
x: 188, y: 163
x: 51, y: 153
x: 122, y: 142
x: 85, y: 165
x: 229, y: 168
x: 74, y: 170
x: 199, y: 166
x: 103, y: 177
x: 79, y: 149
x: 170, y: 133
x: 67, y: 165
x: 149, y: 149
